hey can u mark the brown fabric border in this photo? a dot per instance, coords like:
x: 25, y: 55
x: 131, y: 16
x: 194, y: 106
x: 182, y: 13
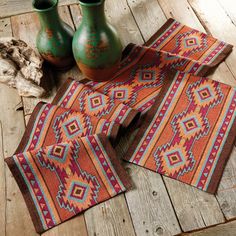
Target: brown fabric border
x: 29, y: 128
x: 149, y: 116
x: 61, y: 91
x: 26, y: 194
x: 159, y: 32
x: 125, y: 178
x: 223, y: 159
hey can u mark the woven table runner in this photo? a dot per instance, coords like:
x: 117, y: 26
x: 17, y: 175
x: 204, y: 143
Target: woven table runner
x: 79, y: 97
x: 189, y: 132
x: 65, y: 164
x: 64, y: 179
x: 143, y: 69
x: 50, y: 124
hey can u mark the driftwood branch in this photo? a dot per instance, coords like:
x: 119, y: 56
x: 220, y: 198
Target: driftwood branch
x: 20, y: 67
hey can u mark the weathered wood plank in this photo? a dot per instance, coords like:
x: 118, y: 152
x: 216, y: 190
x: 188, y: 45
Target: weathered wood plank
x: 122, y: 19
x: 5, y: 31
x: 226, y: 194
x: 111, y: 217
x: 227, y: 229
x: 15, y: 7
x: 22, y: 25
x: 222, y: 27
x: 190, y: 215
x: 12, y: 219
x: 230, y: 9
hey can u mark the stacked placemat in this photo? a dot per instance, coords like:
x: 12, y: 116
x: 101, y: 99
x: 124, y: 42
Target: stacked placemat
x: 65, y: 162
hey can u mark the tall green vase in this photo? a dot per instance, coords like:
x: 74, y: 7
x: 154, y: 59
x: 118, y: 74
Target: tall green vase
x: 96, y: 46
x: 54, y: 40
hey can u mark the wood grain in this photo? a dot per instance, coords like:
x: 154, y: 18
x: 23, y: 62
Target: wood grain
x: 22, y: 25
x: 14, y: 213
x: 226, y: 194
x: 227, y: 229
x: 15, y: 7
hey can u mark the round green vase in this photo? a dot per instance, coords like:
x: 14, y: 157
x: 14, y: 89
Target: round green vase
x: 54, y: 40
x: 96, y: 46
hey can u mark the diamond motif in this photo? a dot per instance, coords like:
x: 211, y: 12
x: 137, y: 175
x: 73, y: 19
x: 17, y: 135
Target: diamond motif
x: 72, y: 127
x: 190, y: 124
x: 174, y: 158
x: 78, y: 191
x: 147, y: 75
x: 204, y: 93
x: 58, y: 152
x: 95, y: 102
x: 190, y: 42
x: 120, y: 94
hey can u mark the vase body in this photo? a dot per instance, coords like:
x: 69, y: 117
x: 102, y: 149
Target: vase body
x: 54, y: 40
x: 96, y: 46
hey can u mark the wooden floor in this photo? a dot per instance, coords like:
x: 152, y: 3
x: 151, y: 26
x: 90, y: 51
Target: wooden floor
x: 158, y: 205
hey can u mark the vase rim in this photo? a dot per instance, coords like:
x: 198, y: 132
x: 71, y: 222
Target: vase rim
x: 91, y: 3
x: 53, y: 4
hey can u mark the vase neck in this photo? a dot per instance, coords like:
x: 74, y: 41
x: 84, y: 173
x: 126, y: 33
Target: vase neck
x: 50, y: 18
x: 93, y: 15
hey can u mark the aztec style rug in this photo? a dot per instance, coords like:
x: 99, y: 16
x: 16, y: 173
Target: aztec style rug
x: 68, y: 140
x: 64, y: 179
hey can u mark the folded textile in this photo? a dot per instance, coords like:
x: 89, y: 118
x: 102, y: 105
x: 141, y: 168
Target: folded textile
x: 79, y: 97
x: 188, y: 49
x: 143, y: 69
x: 50, y: 124
x: 189, y: 132
x: 62, y: 180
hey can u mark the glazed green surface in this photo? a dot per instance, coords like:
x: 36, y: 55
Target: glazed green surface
x: 96, y: 43
x: 54, y: 40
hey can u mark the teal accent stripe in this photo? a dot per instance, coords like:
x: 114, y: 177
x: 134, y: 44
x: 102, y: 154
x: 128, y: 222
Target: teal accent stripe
x: 104, y: 173
x: 156, y: 115
x: 66, y: 93
x: 110, y: 164
x: 222, y: 144
x: 159, y: 45
x: 30, y: 190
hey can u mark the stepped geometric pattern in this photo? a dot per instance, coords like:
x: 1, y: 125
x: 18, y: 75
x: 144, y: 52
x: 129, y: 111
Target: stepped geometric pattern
x: 65, y: 162
x: 54, y: 124
x: 82, y: 98
x: 191, y: 112
x: 64, y: 179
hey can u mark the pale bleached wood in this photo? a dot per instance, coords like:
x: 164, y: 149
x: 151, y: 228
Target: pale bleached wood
x: 15, y: 7
x: 182, y: 11
x: 221, y: 27
x: 209, y: 15
x: 190, y: 215
x: 110, y: 218
x: 227, y: 229
x: 22, y: 25
x: 148, y: 15
x: 119, y: 15
x: 5, y: 31
x: 230, y: 9
x: 14, y: 216
x: 226, y: 193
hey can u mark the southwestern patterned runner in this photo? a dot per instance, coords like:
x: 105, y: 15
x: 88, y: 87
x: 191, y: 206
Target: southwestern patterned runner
x: 189, y: 132
x: 62, y: 180
x: 51, y: 124
x: 142, y: 71
x: 61, y: 174
x: 79, y: 97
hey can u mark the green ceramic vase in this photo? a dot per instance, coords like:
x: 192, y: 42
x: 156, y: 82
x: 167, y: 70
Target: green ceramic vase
x: 54, y: 40
x: 96, y: 46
